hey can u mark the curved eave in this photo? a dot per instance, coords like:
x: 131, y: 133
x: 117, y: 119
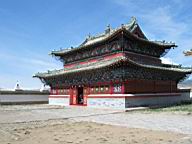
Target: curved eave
x: 109, y: 64
x: 121, y: 30
x: 61, y: 53
x: 181, y: 70
x: 62, y: 71
x: 161, y: 44
x: 138, y: 27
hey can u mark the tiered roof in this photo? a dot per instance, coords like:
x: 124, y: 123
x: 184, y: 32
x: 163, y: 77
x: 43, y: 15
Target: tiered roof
x: 129, y: 29
x: 109, y: 63
x: 109, y: 32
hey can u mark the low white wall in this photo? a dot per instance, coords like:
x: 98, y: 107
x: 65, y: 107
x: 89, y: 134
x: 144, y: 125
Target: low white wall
x: 121, y: 101
x: 22, y: 98
x: 152, y: 101
x: 157, y: 99
x: 106, y: 101
x: 59, y: 100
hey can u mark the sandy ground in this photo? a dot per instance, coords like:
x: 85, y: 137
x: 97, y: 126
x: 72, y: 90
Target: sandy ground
x: 46, y: 130
x: 61, y: 132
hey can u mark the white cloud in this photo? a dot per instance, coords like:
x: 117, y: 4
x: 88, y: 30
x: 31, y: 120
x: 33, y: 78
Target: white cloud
x: 168, y: 61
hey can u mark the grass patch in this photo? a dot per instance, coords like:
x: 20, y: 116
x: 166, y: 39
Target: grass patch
x: 184, y: 107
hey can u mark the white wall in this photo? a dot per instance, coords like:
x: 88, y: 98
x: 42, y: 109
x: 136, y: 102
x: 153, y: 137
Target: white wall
x: 154, y: 101
x: 59, y: 101
x: 159, y: 101
x: 23, y: 98
x: 116, y: 101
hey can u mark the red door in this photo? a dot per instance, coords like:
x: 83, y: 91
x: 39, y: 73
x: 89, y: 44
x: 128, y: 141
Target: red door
x: 73, y: 96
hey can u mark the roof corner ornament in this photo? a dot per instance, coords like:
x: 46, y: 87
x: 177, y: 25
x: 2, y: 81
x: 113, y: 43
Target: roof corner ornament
x: 88, y: 37
x: 108, y: 29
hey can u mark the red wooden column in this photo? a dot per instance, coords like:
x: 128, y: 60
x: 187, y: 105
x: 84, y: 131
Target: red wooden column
x: 71, y: 95
x: 99, y: 85
x: 74, y: 96
x: 111, y: 87
x: 51, y: 91
x: 85, y: 95
x: 57, y: 91
x: 123, y: 88
x: 85, y: 100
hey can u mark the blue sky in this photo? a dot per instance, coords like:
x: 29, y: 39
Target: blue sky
x: 30, y: 29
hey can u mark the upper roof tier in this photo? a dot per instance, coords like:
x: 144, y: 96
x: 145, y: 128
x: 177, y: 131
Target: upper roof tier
x: 132, y: 28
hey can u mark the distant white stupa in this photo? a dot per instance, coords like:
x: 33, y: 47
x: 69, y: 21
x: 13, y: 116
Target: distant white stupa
x: 17, y: 86
x: 42, y: 88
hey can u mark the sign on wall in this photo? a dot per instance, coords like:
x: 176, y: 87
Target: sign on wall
x: 117, y: 88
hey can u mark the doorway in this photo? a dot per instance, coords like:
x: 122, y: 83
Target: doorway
x: 80, y: 95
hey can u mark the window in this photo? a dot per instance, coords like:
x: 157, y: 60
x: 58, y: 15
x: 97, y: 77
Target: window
x: 92, y: 89
x: 67, y: 91
x: 102, y: 88
x: 61, y: 91
x: 97, y: 89
x: 106, y: 88
x: 54, y: 91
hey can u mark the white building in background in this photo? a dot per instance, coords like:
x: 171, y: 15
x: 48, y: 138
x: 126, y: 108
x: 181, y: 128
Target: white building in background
x: 20, y: 95
x: 17, y: 86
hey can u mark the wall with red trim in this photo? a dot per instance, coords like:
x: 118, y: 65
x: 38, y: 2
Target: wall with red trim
x: 93, y: 60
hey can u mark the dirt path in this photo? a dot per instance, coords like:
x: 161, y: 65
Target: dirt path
x: 57, y: 125
x: 65, y: 132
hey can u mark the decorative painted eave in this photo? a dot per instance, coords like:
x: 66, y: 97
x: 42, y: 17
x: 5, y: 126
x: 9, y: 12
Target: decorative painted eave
x: 110, y: 63
x: 92, y: 67
x: 109, y: 33
x: 162, y: 44
x: 174, y: 69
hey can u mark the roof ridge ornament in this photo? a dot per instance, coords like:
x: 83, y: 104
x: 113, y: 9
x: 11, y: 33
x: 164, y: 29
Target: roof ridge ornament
x: 133, y: 20
x: 89, y: 36
x: 123, y: 26
x: 108, y: 29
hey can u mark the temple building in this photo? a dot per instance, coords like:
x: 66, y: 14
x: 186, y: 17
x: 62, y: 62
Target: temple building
x: 118, y: 68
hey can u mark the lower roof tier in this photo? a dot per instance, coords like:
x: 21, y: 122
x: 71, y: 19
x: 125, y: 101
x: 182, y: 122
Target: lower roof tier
x: 119, y: 68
